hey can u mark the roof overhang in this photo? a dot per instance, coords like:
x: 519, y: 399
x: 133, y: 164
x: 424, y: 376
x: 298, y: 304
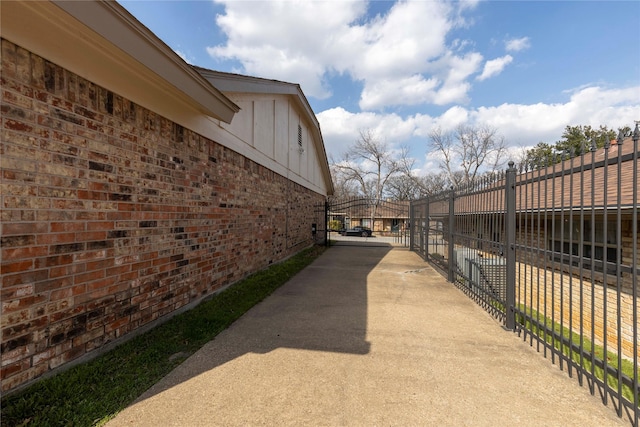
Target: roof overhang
x: 103, y: 43
x: 237, y: 83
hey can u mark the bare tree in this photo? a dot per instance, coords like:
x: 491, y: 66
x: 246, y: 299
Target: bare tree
x: 404, y: 185
x: 468, y: 151
x: 433, y: 183
x: 369, y: 164
x: 343, y: 187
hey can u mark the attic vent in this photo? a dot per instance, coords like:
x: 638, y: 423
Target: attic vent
x: 300, y: 148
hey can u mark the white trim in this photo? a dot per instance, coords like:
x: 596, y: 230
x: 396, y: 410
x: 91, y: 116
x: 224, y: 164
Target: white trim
x: 231, y: 84
x: 102, y: 42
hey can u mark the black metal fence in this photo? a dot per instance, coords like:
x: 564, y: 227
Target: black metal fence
x: 552, y: 252
x: 383, y: 217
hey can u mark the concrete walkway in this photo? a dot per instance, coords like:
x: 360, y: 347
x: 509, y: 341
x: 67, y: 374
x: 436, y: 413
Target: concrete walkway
x: 367, y: 336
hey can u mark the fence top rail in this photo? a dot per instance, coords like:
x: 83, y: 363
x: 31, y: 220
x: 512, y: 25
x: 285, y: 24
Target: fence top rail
x: 589, y: 181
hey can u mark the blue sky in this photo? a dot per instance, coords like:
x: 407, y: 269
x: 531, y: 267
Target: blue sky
x: 526, y: 68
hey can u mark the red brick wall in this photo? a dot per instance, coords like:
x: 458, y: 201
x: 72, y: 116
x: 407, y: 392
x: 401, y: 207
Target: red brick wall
x: 113, y: 217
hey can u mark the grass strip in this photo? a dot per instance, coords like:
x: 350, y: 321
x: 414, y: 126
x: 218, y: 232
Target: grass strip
x: 94, y: 392
x: 552, y: 329
x: 551, y: 332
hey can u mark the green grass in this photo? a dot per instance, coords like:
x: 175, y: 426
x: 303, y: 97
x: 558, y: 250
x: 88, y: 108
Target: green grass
x: 538, y: 329
x: 560, y: 337
x: 94, y: 392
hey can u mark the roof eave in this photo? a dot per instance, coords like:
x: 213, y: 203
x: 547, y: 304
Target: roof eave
x: 112, y: 38
x: 238, y: 83
x: 118, y: 26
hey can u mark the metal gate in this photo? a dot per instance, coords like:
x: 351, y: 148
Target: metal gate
x: 359, y: 219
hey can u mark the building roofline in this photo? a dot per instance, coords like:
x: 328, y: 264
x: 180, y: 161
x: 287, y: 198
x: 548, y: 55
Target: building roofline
x: 114, y: 50
x: 122, y: 29
x: 238, y: 83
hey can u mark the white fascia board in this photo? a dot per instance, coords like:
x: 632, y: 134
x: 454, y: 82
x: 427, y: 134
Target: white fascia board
x: 237, y: 83
x: 229, y: 82
x: 231, y: 141
x: 115, y: 24
x: 102, y: 42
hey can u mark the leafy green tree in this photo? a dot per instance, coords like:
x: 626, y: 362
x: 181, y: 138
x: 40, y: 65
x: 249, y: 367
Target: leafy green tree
x: 542, y: 155
x: 334, y: 224
x: 575, y: 141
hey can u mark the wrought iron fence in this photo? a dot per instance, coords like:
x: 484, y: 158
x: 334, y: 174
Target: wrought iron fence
x: 382, y: 217
x: 552, y: 252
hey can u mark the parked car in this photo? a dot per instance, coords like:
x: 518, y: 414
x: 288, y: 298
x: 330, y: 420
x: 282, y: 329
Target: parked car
x: 357, y: 231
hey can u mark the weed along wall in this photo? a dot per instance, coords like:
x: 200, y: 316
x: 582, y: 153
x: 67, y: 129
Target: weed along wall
x: 114, y: 217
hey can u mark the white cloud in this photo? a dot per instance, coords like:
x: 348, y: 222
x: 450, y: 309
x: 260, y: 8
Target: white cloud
x: 516, y: 45
x: 453, y: 117
x: 521, y: 125
x: 399, y: 42
x: 341, y: 128
x: 413, y: 90
x: 595, y: 106
x: 495, y: 67
x: 399, y: 60
x: 458, y: 69
x: 285, y: 40
x: 393, y: 55
x: 430, y: 165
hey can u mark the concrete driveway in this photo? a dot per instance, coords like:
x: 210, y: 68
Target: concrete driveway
x: 367, y: 336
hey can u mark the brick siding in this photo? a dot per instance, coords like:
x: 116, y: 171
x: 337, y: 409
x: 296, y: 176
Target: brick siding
x: 579, y: 305
x: 113, y: 217
x: 564, y: 291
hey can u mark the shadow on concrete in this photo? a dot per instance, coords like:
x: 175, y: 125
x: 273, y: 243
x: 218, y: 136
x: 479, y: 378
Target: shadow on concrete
x: 388, y: 342
x: 323, y: 308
